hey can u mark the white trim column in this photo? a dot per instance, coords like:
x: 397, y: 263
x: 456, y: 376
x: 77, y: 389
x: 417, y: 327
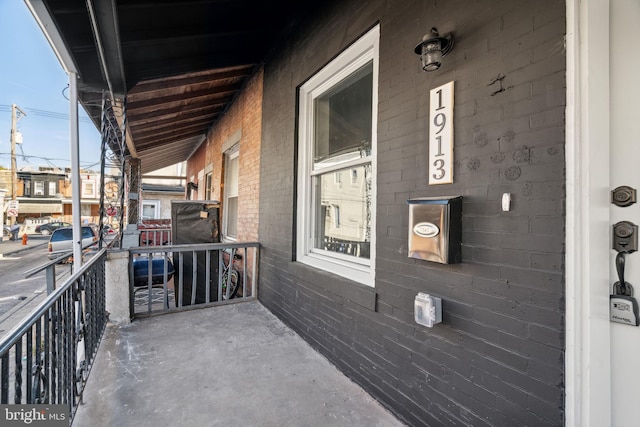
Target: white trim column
x: 74, y: 139
x: 587, y: 361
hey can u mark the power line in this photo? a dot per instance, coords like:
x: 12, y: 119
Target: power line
x: 50, y: 160
x: 46, y: 113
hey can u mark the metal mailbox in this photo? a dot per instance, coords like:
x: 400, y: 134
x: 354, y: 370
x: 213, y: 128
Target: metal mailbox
x: 435, y: 229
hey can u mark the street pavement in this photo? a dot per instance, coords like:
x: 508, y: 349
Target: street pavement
x: 11, y: 247
x: 13, y: 317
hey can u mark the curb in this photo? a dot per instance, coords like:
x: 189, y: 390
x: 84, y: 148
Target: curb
x: 25, y: 248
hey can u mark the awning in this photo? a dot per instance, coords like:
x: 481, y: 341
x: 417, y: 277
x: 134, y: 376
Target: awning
x: 39, y: 208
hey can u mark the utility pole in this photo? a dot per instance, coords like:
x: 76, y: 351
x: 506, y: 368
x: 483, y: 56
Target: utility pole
x: 15, y: 116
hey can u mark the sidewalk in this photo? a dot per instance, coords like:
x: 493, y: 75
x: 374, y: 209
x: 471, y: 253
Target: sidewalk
x: 11, y: 247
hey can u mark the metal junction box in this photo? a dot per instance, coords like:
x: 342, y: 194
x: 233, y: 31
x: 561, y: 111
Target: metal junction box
x: 435, y: 229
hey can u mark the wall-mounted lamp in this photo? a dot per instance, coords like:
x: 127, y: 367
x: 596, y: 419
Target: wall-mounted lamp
x: 432, y: 48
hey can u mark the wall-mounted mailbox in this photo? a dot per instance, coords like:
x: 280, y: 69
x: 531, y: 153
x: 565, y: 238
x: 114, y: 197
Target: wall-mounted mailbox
x: 435, y: 229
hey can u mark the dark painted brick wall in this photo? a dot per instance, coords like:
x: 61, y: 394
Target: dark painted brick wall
x: 497, y: 358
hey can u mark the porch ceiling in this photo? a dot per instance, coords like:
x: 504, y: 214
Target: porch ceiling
x: 179, y: 63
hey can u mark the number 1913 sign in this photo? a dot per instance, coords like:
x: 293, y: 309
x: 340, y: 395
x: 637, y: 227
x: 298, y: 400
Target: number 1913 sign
x: 441, y: 135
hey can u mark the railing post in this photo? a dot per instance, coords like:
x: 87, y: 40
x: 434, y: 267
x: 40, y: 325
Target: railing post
x: 51, y: 278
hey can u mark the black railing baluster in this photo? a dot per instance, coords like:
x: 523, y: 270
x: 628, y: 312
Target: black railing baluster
x: 67, y: 338
x: 194, y: 276
x: 47, y: 358
x: 55, y: 350
x: 4, y: 388
x: 180, y: 296
x: 18, y: 373
x: 29, y: 366
x: 38, y: 364
x: 207, y: 278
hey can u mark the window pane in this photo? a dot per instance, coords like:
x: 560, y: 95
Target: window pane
x: 39, y: 188
x: 148, y: 211
x: 231, y: 184
x: 343, y: 213
x: 342, y: 118
x: 232, y: 217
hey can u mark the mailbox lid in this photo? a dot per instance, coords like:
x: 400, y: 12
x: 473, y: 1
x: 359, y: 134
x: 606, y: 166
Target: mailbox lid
x: 447, y: 200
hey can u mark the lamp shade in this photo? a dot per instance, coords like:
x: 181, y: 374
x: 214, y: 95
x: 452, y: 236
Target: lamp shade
x: 432, y: 48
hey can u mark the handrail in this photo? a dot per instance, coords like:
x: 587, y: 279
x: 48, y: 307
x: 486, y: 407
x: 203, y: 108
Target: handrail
x: 48, y: 355
x: 50, y: 268
x: 21, y: 328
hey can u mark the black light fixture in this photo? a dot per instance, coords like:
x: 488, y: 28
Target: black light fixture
x: 432, y: 48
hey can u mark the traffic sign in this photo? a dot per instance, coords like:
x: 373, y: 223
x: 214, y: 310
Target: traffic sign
x: 12, y: 208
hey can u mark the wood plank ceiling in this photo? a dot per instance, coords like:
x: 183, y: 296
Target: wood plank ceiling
x: 179, y: 63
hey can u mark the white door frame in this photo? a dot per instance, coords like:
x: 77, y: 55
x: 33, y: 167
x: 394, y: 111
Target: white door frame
x: 587, y: 360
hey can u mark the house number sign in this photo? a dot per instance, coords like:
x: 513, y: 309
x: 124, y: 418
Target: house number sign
x: 441, y: 135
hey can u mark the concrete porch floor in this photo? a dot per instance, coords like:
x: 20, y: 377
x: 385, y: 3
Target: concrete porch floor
x: 234, y: 365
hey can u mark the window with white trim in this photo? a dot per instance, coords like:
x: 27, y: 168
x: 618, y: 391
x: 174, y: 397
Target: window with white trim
x: 337, y: 138
x: 88, y: 189
x: 52, y: 189
x: 150, y: 209
x: 209, y: 186
x: 38, y: 188
x: 230, y: 207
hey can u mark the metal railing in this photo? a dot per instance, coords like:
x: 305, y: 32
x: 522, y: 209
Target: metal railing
x: 46, y: 358
x: 173, y: 278
x: 50, y: 271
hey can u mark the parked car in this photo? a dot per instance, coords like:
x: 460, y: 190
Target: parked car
x: 106, y: 229
x: 50, y: 227
x: 61, y: 241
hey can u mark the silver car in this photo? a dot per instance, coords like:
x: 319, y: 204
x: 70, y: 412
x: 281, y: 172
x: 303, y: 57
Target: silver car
x: 61, y: 241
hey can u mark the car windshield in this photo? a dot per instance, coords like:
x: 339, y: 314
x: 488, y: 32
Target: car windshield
x: 67, y: 234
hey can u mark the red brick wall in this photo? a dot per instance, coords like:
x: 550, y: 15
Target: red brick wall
x: 195, y: 164
x: 244, y: 115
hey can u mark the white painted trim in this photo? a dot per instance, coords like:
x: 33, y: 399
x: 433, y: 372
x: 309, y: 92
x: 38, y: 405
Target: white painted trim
x: 156, y: 208
x: 587, y: 358
x: 230, y: 154
x: 232, y: 140
x: 45, y: 22
x: 364, y: 50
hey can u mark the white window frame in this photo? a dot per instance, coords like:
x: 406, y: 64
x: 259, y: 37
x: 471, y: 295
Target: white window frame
x: 52, y: 188
x: 88, y: 188
x: 38, y: 188
x: 363, y: 51
x: 208, y: 185
x: 156, y: 207
x: 231, y: 154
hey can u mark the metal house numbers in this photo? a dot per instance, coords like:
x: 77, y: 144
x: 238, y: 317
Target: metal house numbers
x: 441, y: 135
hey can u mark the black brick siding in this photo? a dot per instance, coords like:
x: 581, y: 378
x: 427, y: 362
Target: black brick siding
x: 498, y: 357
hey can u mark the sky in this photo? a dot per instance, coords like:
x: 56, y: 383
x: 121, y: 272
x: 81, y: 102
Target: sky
x: 32, y: 78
